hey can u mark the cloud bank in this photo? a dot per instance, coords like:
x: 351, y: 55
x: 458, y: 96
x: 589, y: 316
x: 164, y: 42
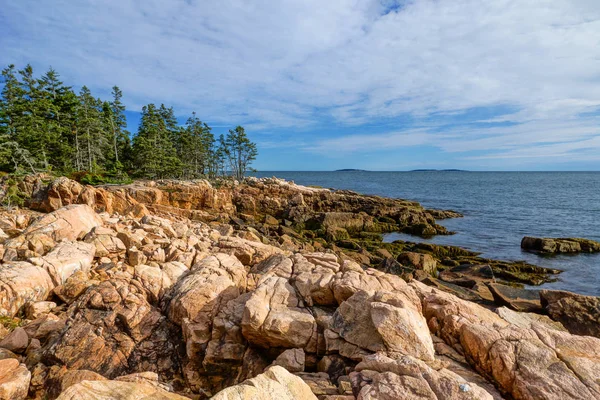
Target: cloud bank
x: 504, y: 79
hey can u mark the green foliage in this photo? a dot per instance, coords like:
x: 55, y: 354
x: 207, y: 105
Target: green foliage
x: 46, y: 126
x: 90, y: 178
x: 10, y: 323
x: 13, y: 197
x: 239, y: 151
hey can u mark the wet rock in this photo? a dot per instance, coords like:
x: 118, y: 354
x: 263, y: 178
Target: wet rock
x: 559, y: 245
x: 424, y: 262
x: 578, y: 313
x: 518, y: 299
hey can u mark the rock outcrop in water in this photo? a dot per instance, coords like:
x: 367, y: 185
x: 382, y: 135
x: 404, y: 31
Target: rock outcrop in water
x: 181, y: 290
x: 559, y: 245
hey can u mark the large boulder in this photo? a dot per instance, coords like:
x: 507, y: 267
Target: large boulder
x: 559, y: 245
x: 70, y: 223
x: 113, y: 330
x: 247, y: 251
x: 274, y: 384
x: 385, y: 321
x: 14, y: 380
x: 379, y: 377
x: 66, y: 259
x: 424, y: 262
x: 275, y: 316
x: 352, y: 278
x: 20, y: 283
x: 313, y: 276
x: 59, y: 193
x: 535, y: 362
x: 117, y: 390
x: 154, y: 280
x: 578, y: 313
x: 195, y: 302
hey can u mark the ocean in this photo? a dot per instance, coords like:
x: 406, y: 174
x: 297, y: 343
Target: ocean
x: 499, y: 207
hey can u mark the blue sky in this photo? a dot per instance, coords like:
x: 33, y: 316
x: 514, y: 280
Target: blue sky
x: 320, y: 85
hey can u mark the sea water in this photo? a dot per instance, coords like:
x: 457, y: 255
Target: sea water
x: 499, y: 207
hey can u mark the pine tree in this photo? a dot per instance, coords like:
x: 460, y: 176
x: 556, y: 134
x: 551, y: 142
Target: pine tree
x: 58, y: 103
x: 114, y: 116
x: 44, y: 124
x: 91, y: 138
x: 194, y: 146
x: 153, y: 150
x: 32, y: 131
x: 11, y: 94
x: 239, y: 151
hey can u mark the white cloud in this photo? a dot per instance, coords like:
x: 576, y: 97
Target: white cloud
x: 310, y: 63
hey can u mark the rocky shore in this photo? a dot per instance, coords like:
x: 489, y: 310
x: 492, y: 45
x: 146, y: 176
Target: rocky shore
x: 270, y: 290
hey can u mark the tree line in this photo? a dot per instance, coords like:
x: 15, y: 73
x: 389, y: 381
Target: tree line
x: 46, y: 126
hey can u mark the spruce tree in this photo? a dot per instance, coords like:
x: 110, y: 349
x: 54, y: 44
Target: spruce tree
x: 116, y: 121
x: 153, y: 150
x: 239, y: 151
x: 45, y: 125
x: 91, y: 138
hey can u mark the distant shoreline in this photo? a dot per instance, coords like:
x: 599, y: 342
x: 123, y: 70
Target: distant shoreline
x: 412, y: 170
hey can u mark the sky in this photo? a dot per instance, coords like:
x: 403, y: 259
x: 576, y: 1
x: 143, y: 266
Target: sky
x: 322, y: 85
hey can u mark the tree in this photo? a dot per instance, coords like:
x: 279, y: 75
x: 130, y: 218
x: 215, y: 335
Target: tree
x: 194, y: 146
x: 45, y: 125
x: 11, y: 93
x: 153, y: 150
x: 239, y: 151
x: 58, y: 105
x: 114, y: 116
x: 91, y: 140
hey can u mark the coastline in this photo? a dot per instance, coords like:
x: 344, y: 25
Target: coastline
x: 204, y: 285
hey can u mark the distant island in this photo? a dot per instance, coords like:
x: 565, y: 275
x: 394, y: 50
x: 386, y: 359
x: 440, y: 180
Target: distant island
x: 438, y: 170
x: 413, y: 170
